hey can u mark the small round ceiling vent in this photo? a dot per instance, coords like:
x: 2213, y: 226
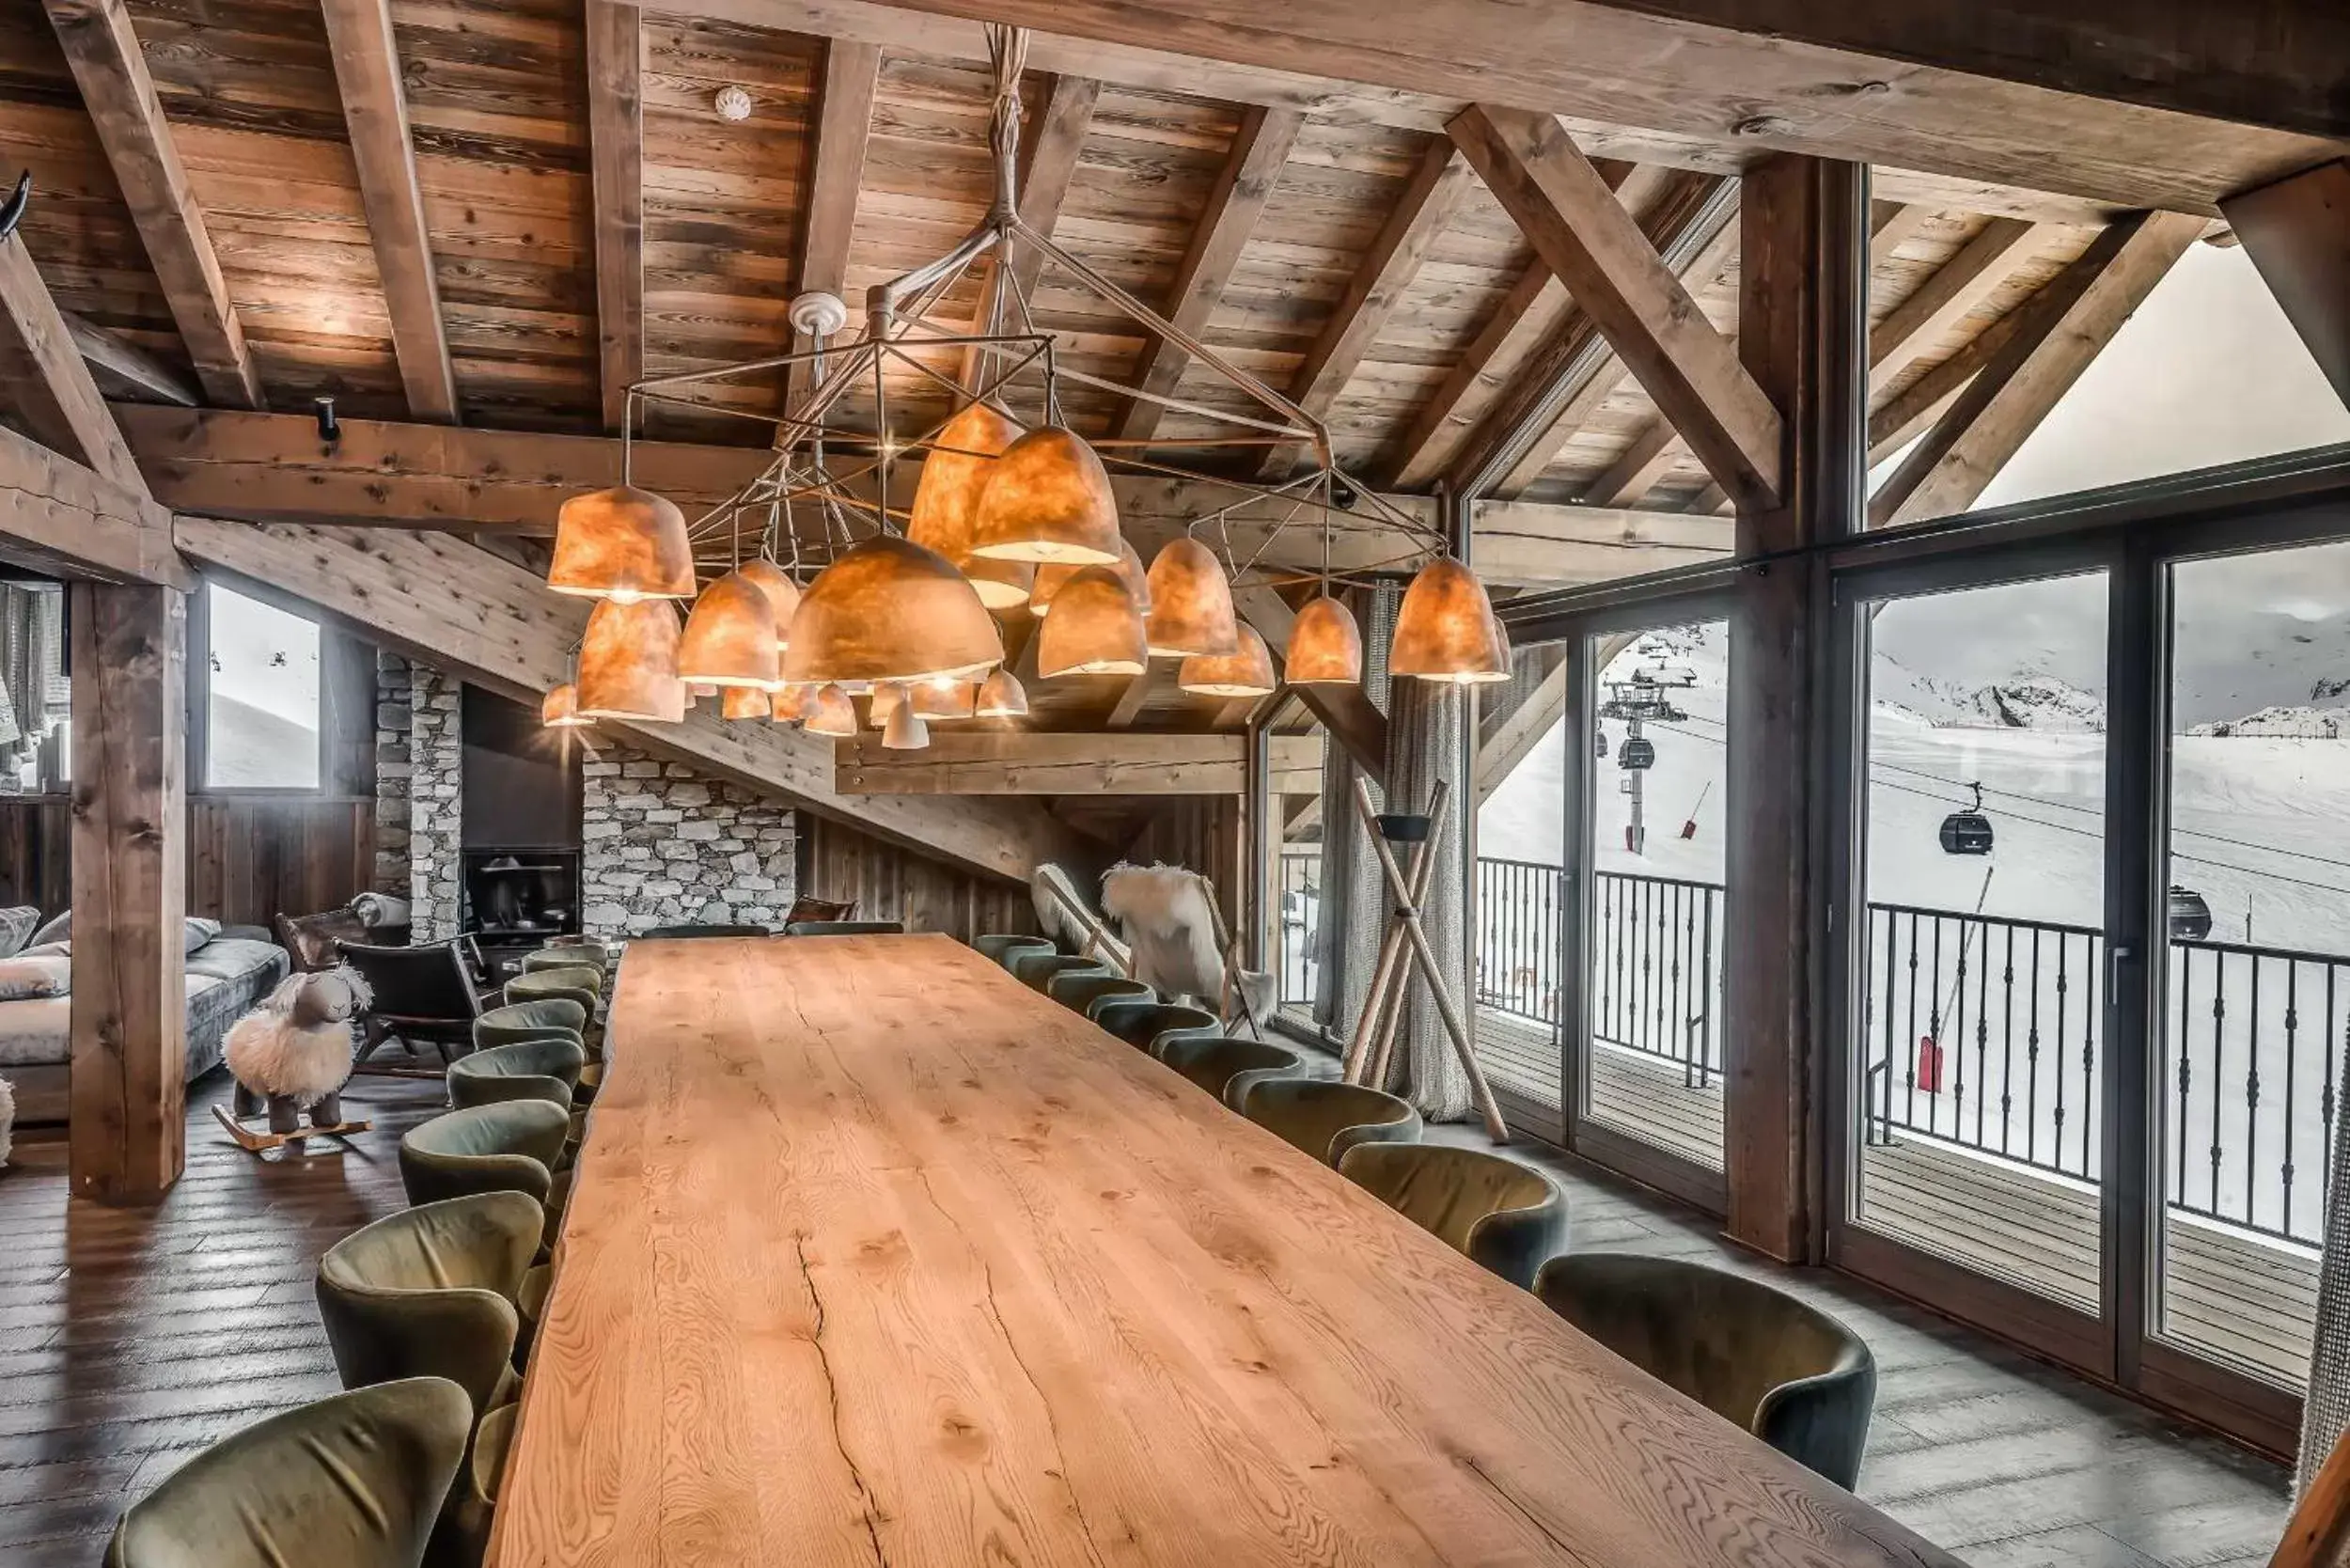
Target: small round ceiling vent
x: 734, y: 105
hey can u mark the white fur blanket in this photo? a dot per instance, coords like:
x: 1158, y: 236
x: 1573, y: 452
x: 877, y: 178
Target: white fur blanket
x: 1167, y: 916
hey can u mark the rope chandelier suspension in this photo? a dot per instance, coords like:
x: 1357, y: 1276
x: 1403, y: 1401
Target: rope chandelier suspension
x: 821, y: 585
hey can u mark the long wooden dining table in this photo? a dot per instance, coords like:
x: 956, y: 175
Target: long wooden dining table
x: 874, y: 1256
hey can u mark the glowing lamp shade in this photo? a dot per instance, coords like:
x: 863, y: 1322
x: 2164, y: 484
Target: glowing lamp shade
x: 1050, y: 578
x: 731, y: 637
x: 1246, y: 673
x: 559, y: 709
x: 621, y: 543
x: 947, y: 501
x: 890, y: 610
x: 743, y: 702
x: 1001, y: 696
x: 906, y: 731
x: 790, y: 704
x: 1326, y: 646
x: 1094, y: 628
x: 944, y: 699
x: 628, y: 662
x: 1048, y: 500
x: 1445, y: 629
x: 887, y: 699
x: 831, y: 712
x: 1191, y: 603
x: 783, y: 595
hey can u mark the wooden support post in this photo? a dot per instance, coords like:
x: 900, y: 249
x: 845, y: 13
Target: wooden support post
x: 1803, y: 337
x: 129, y: 1012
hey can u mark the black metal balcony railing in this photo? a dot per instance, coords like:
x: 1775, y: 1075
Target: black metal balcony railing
x: 1977, y: 1030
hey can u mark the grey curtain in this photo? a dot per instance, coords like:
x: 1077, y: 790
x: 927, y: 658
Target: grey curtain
x: 35, y: 694
x: 1428, y: 740
x: 1353, y: 917
x: 2327, y: 1411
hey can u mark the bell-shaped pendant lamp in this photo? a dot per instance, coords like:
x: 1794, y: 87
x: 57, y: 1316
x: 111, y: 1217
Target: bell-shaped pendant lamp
x: 906, y: 731
x: 559, y: 709
x: 1325, y: 645
x: 790, y: 704
x: 1191, y: 603
x: 947, y: 501
x: 944, y: 699
x: 887, y: 697
x: 628, y: 662
x: 1446, y: 629
x: 1246, y: 673
x: 783, y: 595
x: 831, y: 712
x: 696, y: 690
x: 1094, y: 628
x: 1049, y: 499
x: 1050, y: 576
x: 1001, y: 695
x: 621, y: 543
x: 742, y: 703
x: 890, y: 610
x: 730, y: 636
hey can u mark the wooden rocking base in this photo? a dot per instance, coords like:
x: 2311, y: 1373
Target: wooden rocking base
x: 255, y: 1143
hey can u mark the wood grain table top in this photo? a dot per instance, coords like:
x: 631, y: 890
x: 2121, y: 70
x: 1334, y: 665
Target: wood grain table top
x: 876, y: 1257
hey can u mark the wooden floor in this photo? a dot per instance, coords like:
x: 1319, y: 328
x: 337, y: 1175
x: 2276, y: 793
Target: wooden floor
x: 128, y: 1340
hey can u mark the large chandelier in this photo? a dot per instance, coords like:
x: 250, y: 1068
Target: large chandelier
x: 821, y: 585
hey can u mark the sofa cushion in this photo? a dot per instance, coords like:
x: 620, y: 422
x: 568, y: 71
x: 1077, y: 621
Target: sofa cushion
x: 28, y: 978
x: 17, y: 926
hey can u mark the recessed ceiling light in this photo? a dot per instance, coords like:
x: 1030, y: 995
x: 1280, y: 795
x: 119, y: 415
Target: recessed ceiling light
x: 734, y: 105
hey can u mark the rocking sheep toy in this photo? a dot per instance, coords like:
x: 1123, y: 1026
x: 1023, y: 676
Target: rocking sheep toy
x: 292, y: 1053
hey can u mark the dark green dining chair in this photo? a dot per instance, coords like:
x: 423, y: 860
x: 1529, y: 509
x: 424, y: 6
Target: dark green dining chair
x: 1007, y: 952
x: 584, y: 986
x: 996, y: 943
x: 1748, y: 1352
x: 845, y: 928
x: 512, y: 1146
x: 543, y: 1018
x: 1078, y: 990
x: 356, y: 1481
x: 1038, y: 973
x: 429, y: 1292
x: 570, y: 955
x: 527, y: 1069
x: 1150, y: 1026
x: 1227, y: 1067
x: 1325, y: 1119
x: 1505, y: 1216
x: 695, y: 934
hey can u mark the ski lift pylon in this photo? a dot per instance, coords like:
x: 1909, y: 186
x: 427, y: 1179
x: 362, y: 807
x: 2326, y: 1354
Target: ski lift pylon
x: 1968, y: 832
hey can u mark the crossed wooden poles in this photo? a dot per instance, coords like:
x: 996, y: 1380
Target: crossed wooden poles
x: 1374, y: 1041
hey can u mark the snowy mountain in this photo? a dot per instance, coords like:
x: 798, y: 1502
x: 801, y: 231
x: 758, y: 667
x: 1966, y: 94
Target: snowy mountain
x: 2023, y: 702
x: 2286, y: 721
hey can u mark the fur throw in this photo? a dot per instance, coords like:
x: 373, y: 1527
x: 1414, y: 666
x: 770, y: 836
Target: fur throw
x: 1167, y: 916
x: 1057, y: 902
x: 7, y: 1118
x: 298, y: 1042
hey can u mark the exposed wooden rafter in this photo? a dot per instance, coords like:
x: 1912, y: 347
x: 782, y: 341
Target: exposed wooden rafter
x: 1048, y: 163
x: 1137, y: 695
x: 1891, y: 224
x: 616, y: 138
x: 1957, y: 287
x: 1387, y: 270
x: 1633, y: 474
x: 1585, y: 236
x: 2298, y: 233
x: 1251, y: 168
x: 62, y: 520
x: 103, y: 51
x: 1526, y: 317
x: 844, y: 124
x: 1032, y: 762
x: 130, y: 366
x: 375, y: 106
x: 2065, y: 328
x: 47, y: 380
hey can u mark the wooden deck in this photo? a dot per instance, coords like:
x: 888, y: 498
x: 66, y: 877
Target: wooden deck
x: 2247, y: 1297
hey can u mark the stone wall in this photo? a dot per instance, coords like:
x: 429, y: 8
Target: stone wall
x: 662, y: 845
x: 437, y: 752
x: 392, y: 769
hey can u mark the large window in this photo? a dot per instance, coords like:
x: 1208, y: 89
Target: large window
x: 261, y: 682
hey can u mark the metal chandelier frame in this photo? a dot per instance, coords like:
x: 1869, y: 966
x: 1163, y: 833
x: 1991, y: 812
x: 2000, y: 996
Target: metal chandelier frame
x: 842, y: 472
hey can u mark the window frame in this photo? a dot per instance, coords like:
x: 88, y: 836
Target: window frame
x: 199, y: 749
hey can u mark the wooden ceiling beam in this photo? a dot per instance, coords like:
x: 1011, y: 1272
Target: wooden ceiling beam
x: 129, y: 366
x: 48, y: 381
x: 1971, y: 276
x: 1898, y: 421
x: 492, y: 624
x: 616, y: 151
x: 63, y: 519
x: 1659, y: 88
x: 2298, y: 233
x: 366, y: 55
x: 2068, y: 323
x: 1891, y: 224
x: 1048, y: 166
x: 1528, y: 315
x: 844, y: 127
x: 1137, y: 695
x: 1252, y: 168
x: 1421, y: 212
x: 103, y: 53
x: 1632, y: 475
x: 272, y: 467
x: 964, y: 762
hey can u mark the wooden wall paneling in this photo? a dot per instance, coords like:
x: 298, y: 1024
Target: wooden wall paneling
x: 113, y: 74
x: 375, y: 104
x: 2298, y: 233
x: 37, y: 852
x: 891, y: 883
x: 254, y: 857
x: 128, y: 1013
x: 1804, y: 339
